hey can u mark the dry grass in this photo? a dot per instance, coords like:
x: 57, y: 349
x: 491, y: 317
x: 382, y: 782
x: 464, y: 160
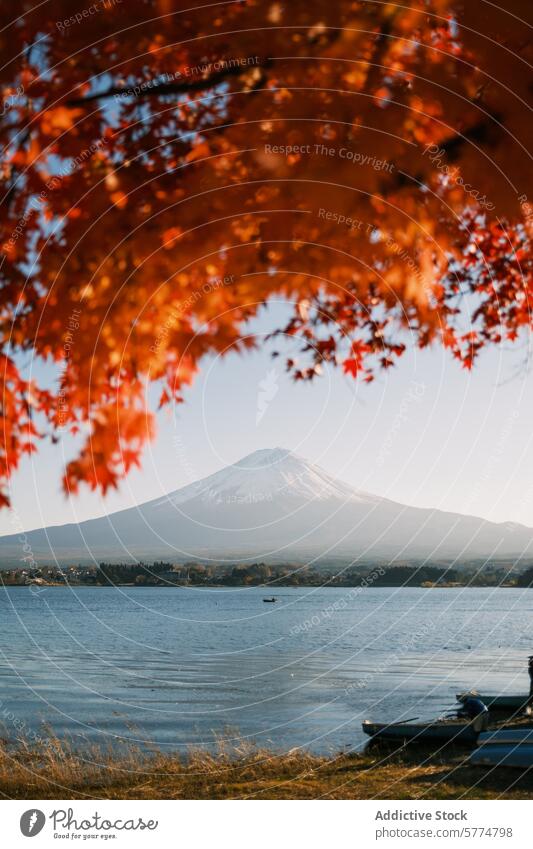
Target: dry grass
x: 56, y: 770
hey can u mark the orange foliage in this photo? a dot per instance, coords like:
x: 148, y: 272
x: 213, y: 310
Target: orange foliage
x: 366, y: 161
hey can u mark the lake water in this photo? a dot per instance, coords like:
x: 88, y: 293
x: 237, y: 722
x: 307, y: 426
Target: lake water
x: 182, y: 667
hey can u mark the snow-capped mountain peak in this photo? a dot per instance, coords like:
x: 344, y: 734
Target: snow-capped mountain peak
x: 266, y: 475
x: 273, y: 505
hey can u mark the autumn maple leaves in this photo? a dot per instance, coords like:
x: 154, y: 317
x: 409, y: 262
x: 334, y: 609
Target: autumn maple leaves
x: 146, y: 159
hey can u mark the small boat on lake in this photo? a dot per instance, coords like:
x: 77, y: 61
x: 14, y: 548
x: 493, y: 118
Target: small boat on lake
x: 270, y: 600
x: 444, y: 731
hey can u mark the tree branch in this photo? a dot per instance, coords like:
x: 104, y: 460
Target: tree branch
x: 177, y: 87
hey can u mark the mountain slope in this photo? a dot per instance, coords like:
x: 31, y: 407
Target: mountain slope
x: 272, y: 505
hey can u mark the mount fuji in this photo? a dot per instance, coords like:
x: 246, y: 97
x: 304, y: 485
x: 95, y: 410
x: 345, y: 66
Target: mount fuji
x: 272, y: 505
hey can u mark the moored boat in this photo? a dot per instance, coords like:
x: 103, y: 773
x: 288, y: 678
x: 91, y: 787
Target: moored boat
x: 506, y: 702
x: 502, y: 702
x: 519, y: 756
x: 518, y: 735
x: 444, y: 731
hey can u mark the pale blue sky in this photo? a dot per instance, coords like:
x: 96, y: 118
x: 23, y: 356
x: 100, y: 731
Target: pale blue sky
x: 426, y: 433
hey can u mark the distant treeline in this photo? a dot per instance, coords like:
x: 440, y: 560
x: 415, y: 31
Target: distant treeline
x: 525, y: 579
x: 161, y: 573
x: 261, y: 574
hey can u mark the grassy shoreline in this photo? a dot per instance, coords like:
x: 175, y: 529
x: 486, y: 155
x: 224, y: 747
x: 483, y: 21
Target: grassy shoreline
x: 55, y: 771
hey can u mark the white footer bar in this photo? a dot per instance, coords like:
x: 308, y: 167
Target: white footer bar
x: 267, y: 824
